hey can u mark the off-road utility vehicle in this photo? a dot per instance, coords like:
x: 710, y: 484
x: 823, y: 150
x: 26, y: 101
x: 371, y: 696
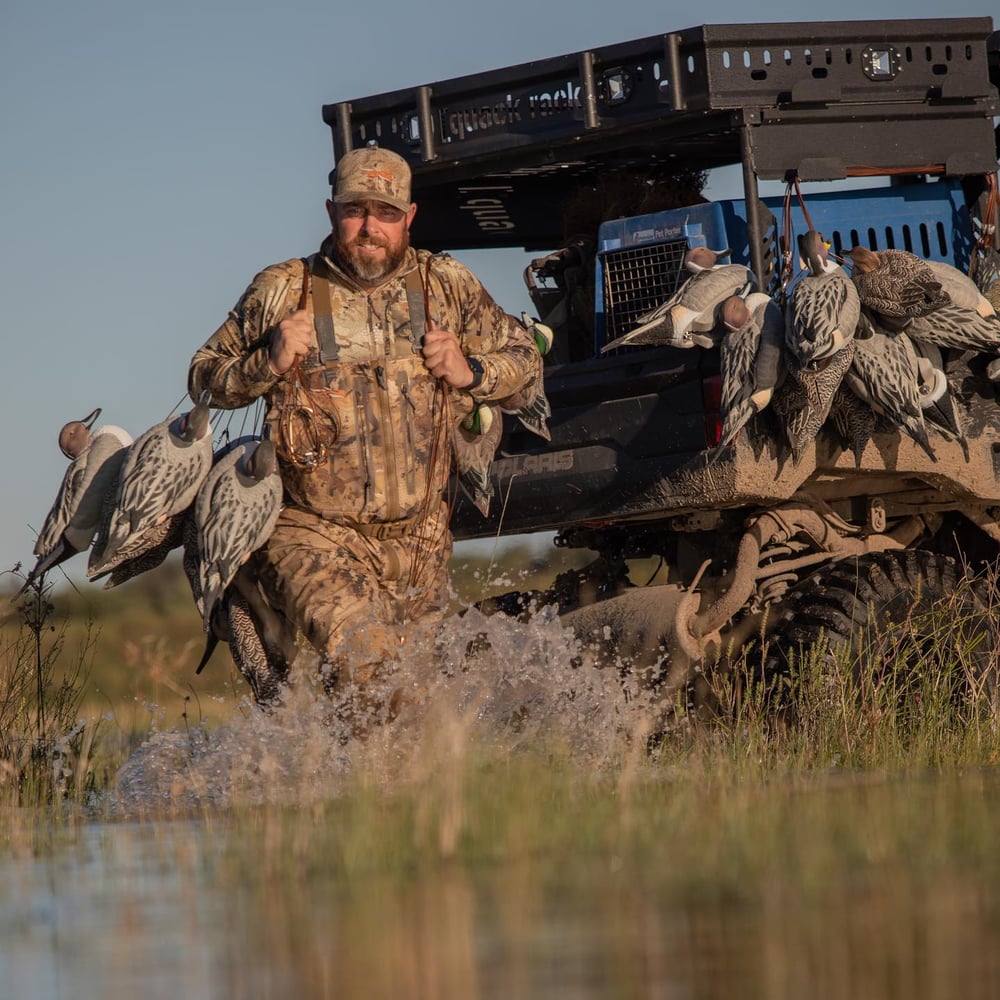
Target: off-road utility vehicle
x: 533, y: 155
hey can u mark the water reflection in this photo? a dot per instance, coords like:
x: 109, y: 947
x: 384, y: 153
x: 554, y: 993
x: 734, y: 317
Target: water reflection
x: 167, y: 910
x: 114, y: 912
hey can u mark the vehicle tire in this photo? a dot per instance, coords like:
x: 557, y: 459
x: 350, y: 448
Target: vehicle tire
x: 904, y: 613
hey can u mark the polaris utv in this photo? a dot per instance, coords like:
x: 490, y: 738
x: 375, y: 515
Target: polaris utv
x: 596, y: 160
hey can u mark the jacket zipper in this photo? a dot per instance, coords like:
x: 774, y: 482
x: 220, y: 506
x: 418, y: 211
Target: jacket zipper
x: 361, y: 423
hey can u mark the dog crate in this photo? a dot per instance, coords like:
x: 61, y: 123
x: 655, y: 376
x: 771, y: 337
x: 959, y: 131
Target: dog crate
x: 640, y: 259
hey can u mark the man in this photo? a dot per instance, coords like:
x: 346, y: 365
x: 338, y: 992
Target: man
x: 369, y: 354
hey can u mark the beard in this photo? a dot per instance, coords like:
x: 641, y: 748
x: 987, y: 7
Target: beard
x: 364, y: 268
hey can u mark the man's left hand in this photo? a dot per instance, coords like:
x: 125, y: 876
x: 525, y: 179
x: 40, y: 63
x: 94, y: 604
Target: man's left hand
x: 444, y: 358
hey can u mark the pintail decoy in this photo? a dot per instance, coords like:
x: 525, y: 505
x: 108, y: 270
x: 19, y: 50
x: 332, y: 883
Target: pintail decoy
x: 823, y: 305
x: 961, y: 289
x: 160, y: 476
x: 530, y: 405
x: 936, y: 399
x: 235, y: 511
x: 807, y: 407
x: 261, y: 640
x: 896, y: 285
x: 958, y: 327
x: 474, y: 444
x: 854, y: 420
x: 750, y: 359
x: 72, y: 521
x: 885, y: 375
x: 688, y: 317
x: 143, y: 551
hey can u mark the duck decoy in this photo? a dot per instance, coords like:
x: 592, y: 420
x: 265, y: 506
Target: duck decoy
x: 823, y: 305
x: 885, y: 375
x: 160, y: 476
x: 235, y: 511
x: 144, y: 551
x: 854, y: 420
x: 474, y: 446
x: 698, y: 259
x: 688, y: 317
x: 936, y: 399
x: 260, y: 639
x: 958, y: 327
x: 896, y: 285
x: 530, y: 406
x: 817, y: 382
x: 70, y: 526
x: 750, y: 359
x: 961, y: 289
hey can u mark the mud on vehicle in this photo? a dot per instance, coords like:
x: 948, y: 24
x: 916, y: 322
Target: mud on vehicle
x: 596, y: 160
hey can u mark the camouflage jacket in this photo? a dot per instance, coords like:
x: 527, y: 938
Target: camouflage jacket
x: 365, y: 434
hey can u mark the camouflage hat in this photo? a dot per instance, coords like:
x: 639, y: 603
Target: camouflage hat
x: 372, y: 174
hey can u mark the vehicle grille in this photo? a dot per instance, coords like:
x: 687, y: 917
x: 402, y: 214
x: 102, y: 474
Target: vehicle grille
x: 637, y: 280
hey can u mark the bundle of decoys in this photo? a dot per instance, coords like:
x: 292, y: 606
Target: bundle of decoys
x: 864, y: 348
x: 131, y: 503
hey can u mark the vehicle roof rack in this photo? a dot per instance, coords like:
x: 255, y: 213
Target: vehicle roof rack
x: 494, y: 154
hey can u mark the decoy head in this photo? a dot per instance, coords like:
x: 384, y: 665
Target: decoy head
x: 864, y: 260
x: 734, y: 313
x: 75, y: 436
x: 262, y: 461
x: 703, y: 258
x: 196, y: 423
x: 814, y: 251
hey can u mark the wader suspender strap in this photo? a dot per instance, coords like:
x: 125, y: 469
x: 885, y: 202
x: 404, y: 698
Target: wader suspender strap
x: 416, y: 304
x: 323, y: 314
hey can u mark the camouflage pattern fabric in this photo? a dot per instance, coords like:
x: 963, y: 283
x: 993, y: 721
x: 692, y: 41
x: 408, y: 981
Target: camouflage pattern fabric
x: 352, y: 594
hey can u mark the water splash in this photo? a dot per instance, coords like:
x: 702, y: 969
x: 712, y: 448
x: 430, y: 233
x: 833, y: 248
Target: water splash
x: 475, y: 681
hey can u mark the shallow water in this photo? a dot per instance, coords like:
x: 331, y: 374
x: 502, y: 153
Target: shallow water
x: 127, y: 911
x: 282, y: 856
x: 110, y: 914
x: 161, y: 911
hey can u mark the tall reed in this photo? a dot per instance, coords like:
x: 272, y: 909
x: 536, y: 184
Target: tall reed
x: 45, y: 745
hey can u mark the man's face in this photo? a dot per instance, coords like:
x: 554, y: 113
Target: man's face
x: 371, y: 238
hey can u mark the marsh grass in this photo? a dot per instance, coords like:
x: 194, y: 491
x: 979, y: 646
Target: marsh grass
x: 45, y: 746
x: 529, y: 875
x: 905, y: 693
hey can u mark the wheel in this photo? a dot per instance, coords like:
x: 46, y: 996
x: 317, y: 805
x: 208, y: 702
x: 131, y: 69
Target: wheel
x: 909, y: 616
x: 968, y: 544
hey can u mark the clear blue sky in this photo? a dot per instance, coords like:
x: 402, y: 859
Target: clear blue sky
x: 153, y: 157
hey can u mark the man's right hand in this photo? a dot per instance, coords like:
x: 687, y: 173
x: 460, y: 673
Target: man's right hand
x: 291, y: 340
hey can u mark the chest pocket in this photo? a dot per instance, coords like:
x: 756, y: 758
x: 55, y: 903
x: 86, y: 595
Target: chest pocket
x: 367, y: 431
